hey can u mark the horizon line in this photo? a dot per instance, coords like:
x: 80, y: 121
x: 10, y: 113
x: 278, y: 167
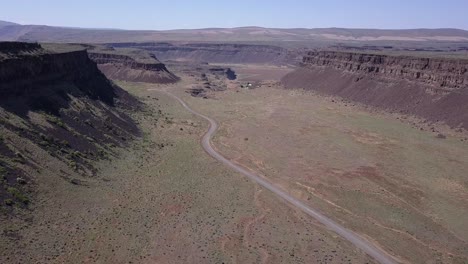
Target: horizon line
x: 237, y: 27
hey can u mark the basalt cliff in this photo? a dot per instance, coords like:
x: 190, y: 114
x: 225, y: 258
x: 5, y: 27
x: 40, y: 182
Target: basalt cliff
x: 432, y: 88
x: 131, y: 68
x: 216, y: 52
x: 58, y: 116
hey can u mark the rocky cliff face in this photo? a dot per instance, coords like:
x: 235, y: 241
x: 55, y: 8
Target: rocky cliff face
x: 435, y: 89
x: 26, y: 74
x: 55, y: 106
x: 216, y: 53
x: 449, y: 73
x: 126, y: 68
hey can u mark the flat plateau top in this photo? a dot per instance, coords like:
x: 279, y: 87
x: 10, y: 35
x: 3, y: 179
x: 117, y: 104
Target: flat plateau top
x: 9, y: 50
x: 455, y: 55
x: 138, y: 55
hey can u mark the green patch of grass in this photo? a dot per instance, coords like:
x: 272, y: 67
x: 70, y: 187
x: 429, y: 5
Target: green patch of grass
x: 72, y: 164
x: 44, y: 143
x: 18, y: 195
x: 75, y: 154
x: 65, y: 143
x: 9, y: 202
x: 3, y: 175
x: 56, y: 121
x: 18, y: 160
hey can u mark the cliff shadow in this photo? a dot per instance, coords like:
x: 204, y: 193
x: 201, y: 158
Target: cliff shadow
x: 50, y: 97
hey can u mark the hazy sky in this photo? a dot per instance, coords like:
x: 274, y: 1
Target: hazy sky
x: 151, y: 14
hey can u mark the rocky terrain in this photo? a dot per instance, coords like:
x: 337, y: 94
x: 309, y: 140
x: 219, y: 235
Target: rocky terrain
x: 208, y: 77
x: 55, y: 105
x: 433, y: 88
x: 130, y: 65
x: 89, y: 173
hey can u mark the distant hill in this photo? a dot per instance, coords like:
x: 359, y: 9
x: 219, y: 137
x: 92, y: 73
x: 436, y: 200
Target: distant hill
x: 6, y: 23
x: 15, y: 32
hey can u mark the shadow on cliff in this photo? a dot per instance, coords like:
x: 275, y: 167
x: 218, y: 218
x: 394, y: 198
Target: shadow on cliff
x: 80, y: 117
x: 50, y: 97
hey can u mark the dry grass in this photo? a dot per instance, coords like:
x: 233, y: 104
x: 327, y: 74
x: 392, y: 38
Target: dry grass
x: 401, y: 187
x: 165, y: 201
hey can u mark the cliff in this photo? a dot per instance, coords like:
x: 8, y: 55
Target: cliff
x: 215, y: 53
x: 26, y: 74
x: 56, y: 105
x: 128, y: 68
x: 433, y: 88
x: 450, y: 73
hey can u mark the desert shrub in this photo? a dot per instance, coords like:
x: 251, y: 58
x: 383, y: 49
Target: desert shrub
x: 73, y: 155
x: 73, y: 165
x: 102, y: 153
x: 56, y: 121
x: 18, y: 160
x: 46, y: 138
x: 3, y: 175
x: 88, y: 122
x: 65, y: 151
x: 18, y: 195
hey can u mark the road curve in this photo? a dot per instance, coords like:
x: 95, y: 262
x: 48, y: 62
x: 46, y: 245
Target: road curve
x: 378, y: 254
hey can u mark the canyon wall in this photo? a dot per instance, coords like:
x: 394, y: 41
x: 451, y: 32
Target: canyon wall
x: 435, y: 89
x: 215, y: 53
x: 33, y: 75
x: 126, y: 68
x: 449, y: 73
x: 56, y: 105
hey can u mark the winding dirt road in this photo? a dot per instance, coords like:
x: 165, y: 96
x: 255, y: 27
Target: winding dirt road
x: 378, y: 254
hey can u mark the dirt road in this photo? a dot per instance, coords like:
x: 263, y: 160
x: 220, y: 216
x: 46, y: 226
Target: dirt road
x: 378, y: 254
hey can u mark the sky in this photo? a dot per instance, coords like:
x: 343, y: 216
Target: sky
x: 176, y: 14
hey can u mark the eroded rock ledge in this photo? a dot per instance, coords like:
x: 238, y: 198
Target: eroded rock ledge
x: 451, y: 73
x: 126, y: 68
x: 435, y: 89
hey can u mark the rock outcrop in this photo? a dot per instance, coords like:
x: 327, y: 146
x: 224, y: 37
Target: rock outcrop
x: 126, y: 68
x: 433, y: 88
x: 27, y: 74
x: 227, y: 72
x: 449, y: 73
